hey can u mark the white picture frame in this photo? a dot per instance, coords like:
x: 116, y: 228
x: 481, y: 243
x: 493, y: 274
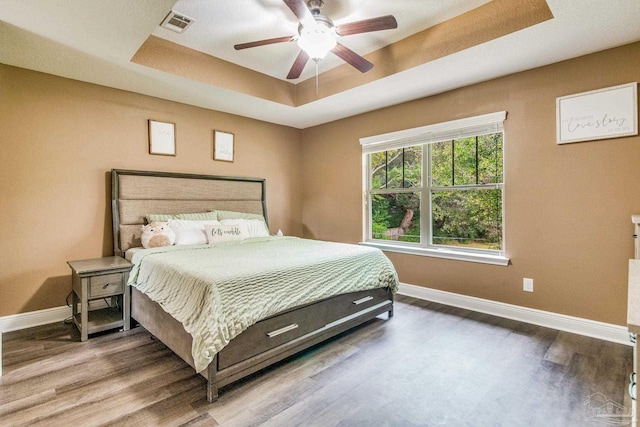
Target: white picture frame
x: 162, y: 138
x: 223, y: 146
x: 606, y: 113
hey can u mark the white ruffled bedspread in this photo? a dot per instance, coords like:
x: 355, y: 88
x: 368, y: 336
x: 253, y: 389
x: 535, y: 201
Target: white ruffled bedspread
x: 218, y: 291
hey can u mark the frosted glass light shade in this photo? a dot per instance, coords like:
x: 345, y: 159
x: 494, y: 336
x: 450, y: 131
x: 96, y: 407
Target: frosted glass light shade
x: 316, y: 41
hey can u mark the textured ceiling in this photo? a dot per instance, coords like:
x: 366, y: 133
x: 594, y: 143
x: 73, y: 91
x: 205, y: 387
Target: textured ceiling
x: 221, y: 24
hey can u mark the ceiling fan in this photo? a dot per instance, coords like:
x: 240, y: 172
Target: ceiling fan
x: 317, y: 36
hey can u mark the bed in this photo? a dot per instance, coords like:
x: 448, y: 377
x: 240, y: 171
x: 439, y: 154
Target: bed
x: 291, y: 320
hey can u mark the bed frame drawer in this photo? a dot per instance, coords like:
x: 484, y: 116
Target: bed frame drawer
x: 270, y: 333
x: 282, y: 328
x: 346, y: 305
x: 106, y: 284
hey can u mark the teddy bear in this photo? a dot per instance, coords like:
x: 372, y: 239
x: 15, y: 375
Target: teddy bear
x: 156, y: 234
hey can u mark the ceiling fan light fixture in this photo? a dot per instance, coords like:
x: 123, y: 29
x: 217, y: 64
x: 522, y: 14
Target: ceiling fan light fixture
x: 317, y: 41
x: 317, y: 36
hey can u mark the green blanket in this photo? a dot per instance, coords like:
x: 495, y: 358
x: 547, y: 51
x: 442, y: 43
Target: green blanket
x: 218, y: 291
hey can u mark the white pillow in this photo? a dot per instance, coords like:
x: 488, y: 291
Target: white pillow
x: 191, y: 232
x: 249, y: 227
x: 224, y: 233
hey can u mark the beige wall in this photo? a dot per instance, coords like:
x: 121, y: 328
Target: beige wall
x: 568, y: 207
x: 60, y: 138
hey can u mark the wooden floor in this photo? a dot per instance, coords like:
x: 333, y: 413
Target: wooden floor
x: 430, y: 365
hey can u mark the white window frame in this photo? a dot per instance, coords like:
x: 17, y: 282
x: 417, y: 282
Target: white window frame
x: 455, y: 129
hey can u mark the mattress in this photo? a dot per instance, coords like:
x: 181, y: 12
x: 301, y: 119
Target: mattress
x: 217, y: 291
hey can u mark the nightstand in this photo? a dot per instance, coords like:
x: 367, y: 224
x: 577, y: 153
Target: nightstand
x: 103, y: 282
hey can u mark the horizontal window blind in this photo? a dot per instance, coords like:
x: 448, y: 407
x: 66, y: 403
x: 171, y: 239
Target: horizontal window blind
x: 455, y: 129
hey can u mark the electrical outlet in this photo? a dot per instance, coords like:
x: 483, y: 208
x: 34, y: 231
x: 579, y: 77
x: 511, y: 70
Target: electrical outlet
x: 527, y: 285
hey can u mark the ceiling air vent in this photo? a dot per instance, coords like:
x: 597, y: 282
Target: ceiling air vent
x: 176, y: 22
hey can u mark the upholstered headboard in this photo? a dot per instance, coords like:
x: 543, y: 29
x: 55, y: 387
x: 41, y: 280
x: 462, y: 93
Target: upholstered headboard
x: 135, y: 194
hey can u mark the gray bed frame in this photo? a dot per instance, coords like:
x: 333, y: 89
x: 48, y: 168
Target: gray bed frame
x: 138, y: 193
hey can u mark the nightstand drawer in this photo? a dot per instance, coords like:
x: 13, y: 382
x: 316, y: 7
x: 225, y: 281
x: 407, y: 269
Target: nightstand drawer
x: 106, y: 284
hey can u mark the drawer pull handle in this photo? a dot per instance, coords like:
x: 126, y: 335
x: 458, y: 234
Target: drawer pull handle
x: 106, y: 285
x: 277, y: 332
x: 362, y: 300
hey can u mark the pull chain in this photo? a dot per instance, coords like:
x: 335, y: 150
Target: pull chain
x: 316, y: 61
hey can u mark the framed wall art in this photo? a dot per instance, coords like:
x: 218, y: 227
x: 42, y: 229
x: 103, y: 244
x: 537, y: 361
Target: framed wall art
x: 162, y: 138
x: 598, y: 114
x: 223, y: 146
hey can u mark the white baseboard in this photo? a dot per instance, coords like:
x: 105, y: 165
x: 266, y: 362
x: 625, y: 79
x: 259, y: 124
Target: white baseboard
x: 34, y: 318
x: 576, y: 325
x: 43, y: 317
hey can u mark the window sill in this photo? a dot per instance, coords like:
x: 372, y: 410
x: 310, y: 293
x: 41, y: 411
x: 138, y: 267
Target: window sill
x: 441, y: 253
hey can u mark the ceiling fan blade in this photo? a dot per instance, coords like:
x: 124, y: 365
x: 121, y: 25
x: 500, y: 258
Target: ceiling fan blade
x: 302, y: 12
x: 264, y: 42
x: 387, y: 22
x: 352, y: 58
x: 298, y: 65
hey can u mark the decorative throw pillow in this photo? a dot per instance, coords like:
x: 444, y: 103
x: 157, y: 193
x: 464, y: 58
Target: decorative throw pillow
x: 157, y: 234
x: 249, y: 227
x: 223, y: 233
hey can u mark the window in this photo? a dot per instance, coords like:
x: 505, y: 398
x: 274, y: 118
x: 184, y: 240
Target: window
x: 396, y: 184
x: 437, y: 190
